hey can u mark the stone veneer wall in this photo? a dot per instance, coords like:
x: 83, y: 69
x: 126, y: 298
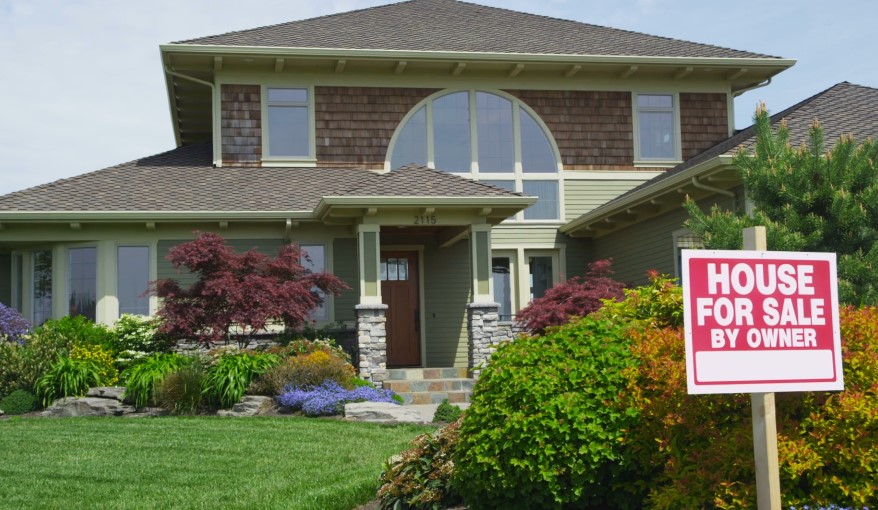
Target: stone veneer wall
x: 372, y: 341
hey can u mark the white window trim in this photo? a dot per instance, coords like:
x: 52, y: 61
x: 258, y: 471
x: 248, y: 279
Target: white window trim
x: 517, y: 175
x: 635, y: 117
x: 677, y: 236
x: 290, y: 161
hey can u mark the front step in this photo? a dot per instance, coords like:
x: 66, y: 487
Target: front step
x: 430, y: 385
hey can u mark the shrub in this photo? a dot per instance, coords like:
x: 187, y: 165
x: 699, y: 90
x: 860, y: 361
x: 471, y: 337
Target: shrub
x: 447, y: 413
x: 228, y: 377
x: 68, y: 378
x: 139, y: 334
x: 658, y: 303
x: 307, y: 370
x: 576, y: 297
x: 12, y: 325
x: 76, y: 330
x: 181, y: 391
x: 107, y: 373
x: 326, y: 345
x: 545, y: 428
x: 142, y: 379
x: 19, y: 402
x: 22, y: 364
x: 420, y: 477
x: 329, y: 398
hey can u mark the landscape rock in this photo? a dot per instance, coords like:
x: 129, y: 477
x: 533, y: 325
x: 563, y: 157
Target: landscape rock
x: 1, y: 412
x: 250, y: 405
x: 382, y: 412
x: 149, y: 412
x: 87, y: 406
x: 113, y: 392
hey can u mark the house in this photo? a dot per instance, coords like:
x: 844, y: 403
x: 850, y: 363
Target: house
x: 642, y: 228
x: 437, y: 155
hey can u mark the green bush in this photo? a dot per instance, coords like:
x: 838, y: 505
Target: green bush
x: 19, y: 402
x: 68, y: 378
x: 447, y: 413
x: 545, y: 429
x: 229, y: 375
x: 21, y: 365
x: 421, y: 477
x: 181, y: 391
x: 306, y: 370
x: 139, y: 334
x: 76, y: 330
x: 142, y: 379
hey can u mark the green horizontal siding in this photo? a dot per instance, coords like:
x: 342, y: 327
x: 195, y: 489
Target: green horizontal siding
x: 583, y: 195
x: 447, y: 292
x: 344, y: 266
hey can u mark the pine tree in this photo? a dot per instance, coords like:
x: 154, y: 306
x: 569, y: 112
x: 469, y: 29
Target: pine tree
x: 809, y: 199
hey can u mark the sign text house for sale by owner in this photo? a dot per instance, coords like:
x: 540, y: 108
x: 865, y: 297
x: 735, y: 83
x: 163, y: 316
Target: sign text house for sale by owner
x: 761, y: 321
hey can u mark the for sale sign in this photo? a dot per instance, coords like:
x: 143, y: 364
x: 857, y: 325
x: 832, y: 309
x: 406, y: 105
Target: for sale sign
x: 759, y: 321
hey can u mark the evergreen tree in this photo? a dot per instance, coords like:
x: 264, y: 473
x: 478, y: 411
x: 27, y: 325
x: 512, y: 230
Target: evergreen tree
x: 809, y: 199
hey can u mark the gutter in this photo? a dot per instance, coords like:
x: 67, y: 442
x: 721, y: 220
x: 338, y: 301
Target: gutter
x: 214, y: 122
x: 754, y: 87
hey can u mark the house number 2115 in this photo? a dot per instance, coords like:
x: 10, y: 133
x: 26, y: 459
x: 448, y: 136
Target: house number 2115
x: 425, y: 219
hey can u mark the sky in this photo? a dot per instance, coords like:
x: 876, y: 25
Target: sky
x: 82, y: 88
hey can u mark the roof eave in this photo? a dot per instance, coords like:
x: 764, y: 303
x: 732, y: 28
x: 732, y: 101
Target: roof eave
x: 582, y: 223
x: 131, y: 216
x: 780, y: 63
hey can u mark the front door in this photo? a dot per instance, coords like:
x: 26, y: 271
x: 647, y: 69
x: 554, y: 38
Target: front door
x: 399, y: 291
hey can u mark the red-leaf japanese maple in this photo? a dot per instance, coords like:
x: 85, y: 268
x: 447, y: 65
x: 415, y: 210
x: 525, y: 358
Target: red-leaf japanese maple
x: 576, y: 297
x: 245, y: 291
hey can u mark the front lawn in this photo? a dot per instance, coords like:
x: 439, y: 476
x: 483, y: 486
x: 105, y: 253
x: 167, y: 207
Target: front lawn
x: 193, y: 462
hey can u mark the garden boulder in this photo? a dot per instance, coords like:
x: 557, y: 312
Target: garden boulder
x: 382, y: 412
x: 87, y: 406
x: 250, y: 405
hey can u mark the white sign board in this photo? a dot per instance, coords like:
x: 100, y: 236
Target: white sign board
x: 760, y: 321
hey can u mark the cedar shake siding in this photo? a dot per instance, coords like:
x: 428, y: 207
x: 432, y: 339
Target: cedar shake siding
x: 704, y: 121
x: 593, y: 130
x: 355, y: 124
x: 241, y: 125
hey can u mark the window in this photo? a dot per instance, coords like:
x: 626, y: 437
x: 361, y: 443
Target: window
x: 42, y: 289
x: 82, y: 290
x: 132, y: 279
x: 483, y: 136
x: 541, y: 278
x: 502, y: 276
x: 289, y: 123
x: 684, y: 240
x: 314, y: 261
x: 656, y: 127
x: 18, y: 282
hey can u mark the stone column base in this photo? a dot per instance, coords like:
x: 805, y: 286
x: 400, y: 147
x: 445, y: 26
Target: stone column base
x: 372, y: 342
x: 485, y: 333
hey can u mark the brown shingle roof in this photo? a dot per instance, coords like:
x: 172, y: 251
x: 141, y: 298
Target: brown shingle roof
x: 453, y: 26
x: 184, y: 180
x: 842, y: 109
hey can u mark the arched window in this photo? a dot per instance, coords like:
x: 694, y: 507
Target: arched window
x: 485, y: 136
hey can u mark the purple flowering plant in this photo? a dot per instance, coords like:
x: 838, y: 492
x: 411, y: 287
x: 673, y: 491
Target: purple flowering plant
x: 12, y: 325
x: 329, y: 398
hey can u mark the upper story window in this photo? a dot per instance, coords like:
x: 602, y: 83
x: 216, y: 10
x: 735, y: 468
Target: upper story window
x: 485, y: 136
x: 656, y: 127
x: 289, y: 123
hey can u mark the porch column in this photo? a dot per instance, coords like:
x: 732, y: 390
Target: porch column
x: 371, y: 312
x: 480, y: 261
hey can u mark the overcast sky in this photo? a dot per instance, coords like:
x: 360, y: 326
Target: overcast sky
x: 81, y: 84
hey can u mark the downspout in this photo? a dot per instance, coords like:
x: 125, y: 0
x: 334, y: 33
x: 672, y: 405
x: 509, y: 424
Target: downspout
x: 700, y: 185
x: 213, y: 119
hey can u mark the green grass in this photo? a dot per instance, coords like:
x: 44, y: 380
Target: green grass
x: 193, y: 462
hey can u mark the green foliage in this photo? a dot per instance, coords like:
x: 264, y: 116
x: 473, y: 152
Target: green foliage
x: 421, y: 477
x: 659, y: 303
x: 76, y: 330
x: 142, y: 379
x: 68, y: 378
x: 447, y: 413
x: 307, y: 346
x: 701, y: 446
x: 139, y: 334
x: 21, y: 365
x: 101, y: 358
x: 305, y: 370
x: 18, y: 402
x: 545, y: 428
x: 230, y: 374
x: 181, y: 391
x: 809, y: 200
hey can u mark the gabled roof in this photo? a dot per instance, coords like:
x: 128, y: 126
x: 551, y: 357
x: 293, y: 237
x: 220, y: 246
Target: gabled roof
x: 842, y: 109
x: 454, y: 26
x: 183, y: 181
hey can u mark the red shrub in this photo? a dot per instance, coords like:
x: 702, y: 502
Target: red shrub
x: 576, y: 297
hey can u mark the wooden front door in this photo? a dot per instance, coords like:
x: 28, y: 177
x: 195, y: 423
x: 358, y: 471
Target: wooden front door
x: 399, y: 291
